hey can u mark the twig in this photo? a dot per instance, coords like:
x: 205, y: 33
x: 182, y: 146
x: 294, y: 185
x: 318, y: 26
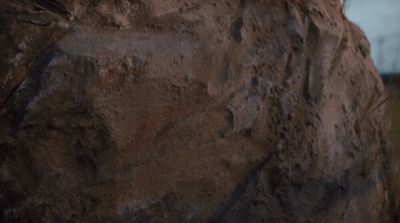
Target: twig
x: 33, y: 22
x: 372, y: 104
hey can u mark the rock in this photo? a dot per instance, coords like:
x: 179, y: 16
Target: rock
x: 189, y: 111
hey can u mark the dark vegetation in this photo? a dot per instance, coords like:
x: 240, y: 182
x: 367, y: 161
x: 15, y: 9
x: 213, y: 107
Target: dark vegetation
x: 392, y: 83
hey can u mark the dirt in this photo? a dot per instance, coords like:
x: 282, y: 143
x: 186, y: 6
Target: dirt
x: 189, y: 111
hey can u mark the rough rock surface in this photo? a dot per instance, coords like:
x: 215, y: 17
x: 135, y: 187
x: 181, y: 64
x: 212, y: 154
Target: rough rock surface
x: 189, y: 111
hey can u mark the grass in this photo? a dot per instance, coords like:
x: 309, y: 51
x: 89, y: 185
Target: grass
x: 345, y: 5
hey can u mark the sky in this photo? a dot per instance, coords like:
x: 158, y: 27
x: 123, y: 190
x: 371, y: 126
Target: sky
x: 380, y: 20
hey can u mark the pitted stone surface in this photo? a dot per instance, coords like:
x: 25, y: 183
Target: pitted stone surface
x: 189, y: 111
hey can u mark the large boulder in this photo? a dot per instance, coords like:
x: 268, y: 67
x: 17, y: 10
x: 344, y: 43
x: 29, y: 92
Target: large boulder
x: 189, y: 111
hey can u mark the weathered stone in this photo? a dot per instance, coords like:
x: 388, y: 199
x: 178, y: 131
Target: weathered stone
x: 189, y: 111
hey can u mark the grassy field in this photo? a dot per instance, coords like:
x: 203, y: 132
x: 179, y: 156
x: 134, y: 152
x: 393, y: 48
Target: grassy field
x: 393, y: 86
x: 395, y: 103
x: 396, y: 123
x: 395, y: 168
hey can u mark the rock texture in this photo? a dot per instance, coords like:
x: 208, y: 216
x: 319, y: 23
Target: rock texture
x: 189, y: 111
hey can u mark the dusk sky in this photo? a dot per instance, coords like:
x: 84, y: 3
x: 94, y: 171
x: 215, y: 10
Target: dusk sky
x: 380, y: 20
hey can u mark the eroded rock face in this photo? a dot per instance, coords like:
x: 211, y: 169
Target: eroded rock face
x: 189, y: 111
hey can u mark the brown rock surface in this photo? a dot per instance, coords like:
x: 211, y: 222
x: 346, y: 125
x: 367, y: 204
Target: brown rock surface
x: 189, y: 111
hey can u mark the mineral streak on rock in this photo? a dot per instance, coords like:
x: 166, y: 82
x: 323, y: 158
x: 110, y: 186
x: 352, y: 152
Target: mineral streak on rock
x: 188, y: 111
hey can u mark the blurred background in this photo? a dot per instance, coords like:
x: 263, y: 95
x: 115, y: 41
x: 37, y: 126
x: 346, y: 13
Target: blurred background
x: 380, y: 20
